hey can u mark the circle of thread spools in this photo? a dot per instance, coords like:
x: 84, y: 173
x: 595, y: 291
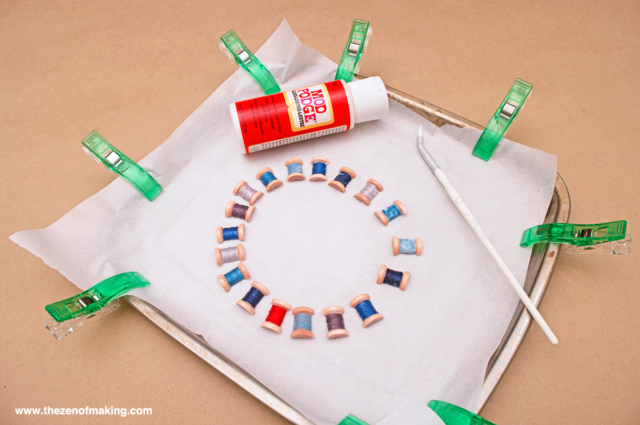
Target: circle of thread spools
x: 335, y: 322
x: 253, y: 297
x: 234, y: 276
x: 342, y: 179
x: 370, y: 190
x: 391, y: 213
x: 319, y: 169
x: 239, y: 211
x: 393, y: 278
x: 268, y: 179
x: 230, y: 233
x: 294, y: 168
x: 229, y: 255
x: 302, y: 323
x: 276, y: 315
x: 247, y: 193
x: 407, y: 246
x: 366, y: 310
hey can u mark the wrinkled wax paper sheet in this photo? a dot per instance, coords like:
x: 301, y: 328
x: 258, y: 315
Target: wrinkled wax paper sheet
x: 314, y: 246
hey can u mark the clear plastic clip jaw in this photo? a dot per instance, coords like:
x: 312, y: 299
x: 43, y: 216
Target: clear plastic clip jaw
x: 61, y: 329
x: 620, y: 247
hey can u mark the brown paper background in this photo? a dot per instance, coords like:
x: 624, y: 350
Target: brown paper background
x: 134, y: 70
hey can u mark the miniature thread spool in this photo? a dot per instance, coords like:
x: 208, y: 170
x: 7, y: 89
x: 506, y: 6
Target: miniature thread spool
x: 247, y: 193
x: 229, y: 255
x: 407, y: 246
x: 366, y: 310
x: 319, y: 169
x: 392, y: 212
x: 253, y: 297
x: 294, y: 168
x: 342, y: 180
x: 234, y: 276
x: 276, y: 315
x: 239, y: 211
x: 268, y: 179
x: 230, y: 233
x: 335, y: 322
x: 370, y: 190
x: 302, y: 323
x: 393, y: 278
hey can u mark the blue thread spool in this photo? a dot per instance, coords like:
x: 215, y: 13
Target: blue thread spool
x: 247, y: 193
x: 342, y: 180
x: 370, y: 190
x: 302, y: 323
x: 234, y: 276
x: 366, y: 310
x: 393, y: 278
x: 230, y: 233
x: 392, y: 212
x: 229, y: 255
x: 265, y: 175
x: 294, y: 167
x: 407, y: 246
x: 253, y: 297
x: 319, y: 171
x: 239, y: 211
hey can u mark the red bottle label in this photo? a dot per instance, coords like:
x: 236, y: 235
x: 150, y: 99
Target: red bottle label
x: 292, y: 116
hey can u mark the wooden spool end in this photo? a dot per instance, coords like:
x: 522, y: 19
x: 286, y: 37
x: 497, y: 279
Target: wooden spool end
x: 227, y: 210
x: 404, y: 281
x: 224, y: 283
x: 381, y: 274
x: 245, y: 272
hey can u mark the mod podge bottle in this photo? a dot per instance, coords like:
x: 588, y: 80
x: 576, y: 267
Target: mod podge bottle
x: 292, y: 116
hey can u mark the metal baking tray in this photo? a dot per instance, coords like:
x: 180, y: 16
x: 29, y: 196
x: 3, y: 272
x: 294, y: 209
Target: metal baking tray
x: 541, y: 265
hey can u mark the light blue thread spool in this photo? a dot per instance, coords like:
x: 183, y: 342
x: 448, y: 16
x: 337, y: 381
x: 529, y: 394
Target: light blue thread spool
x: 234, y: 276
x: 302, y: 323
x: 294, y: 167
x: 268, y: 179
x: 391, y: 213
x: 366, y: 310
x: 319, y: 169
x: 407, y: 246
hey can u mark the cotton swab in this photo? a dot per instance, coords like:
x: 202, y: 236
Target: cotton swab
x: 466, y: 213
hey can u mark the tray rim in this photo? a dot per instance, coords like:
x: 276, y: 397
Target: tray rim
x: 516, y: 332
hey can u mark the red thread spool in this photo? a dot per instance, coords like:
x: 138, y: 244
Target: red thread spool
x: 276, y: 315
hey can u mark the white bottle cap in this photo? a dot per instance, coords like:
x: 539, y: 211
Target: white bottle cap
x: 369, y: 98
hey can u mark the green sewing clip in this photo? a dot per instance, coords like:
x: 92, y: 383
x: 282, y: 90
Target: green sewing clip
x: 95, y: 302
x: 356, y: 45
x: 575, y: 234
x: 455, y: 415
x: 106, y: 154
x: 352, y: 420
x: 502, y: 119
x: 240, y: 54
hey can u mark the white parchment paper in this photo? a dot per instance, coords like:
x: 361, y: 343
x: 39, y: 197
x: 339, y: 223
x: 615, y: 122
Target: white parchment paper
x: 314, y: 246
